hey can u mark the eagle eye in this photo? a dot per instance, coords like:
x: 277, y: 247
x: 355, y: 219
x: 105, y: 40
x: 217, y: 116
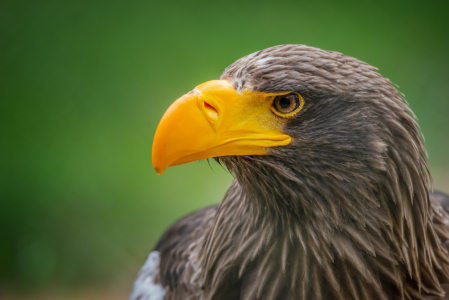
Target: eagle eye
x: 287, y: 104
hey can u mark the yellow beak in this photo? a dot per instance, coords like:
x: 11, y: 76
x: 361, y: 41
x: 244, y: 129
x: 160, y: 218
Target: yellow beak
x: 215, y: 120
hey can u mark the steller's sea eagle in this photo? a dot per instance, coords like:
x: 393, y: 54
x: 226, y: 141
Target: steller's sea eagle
x: 331, y: 192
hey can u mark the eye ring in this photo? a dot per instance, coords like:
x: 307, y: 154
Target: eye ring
x: 287, y: 105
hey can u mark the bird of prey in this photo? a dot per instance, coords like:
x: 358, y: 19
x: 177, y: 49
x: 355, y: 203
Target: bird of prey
x: 330, y: 198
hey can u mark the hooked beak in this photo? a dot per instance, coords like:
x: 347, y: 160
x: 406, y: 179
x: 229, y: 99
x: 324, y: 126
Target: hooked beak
x: 215, y: 120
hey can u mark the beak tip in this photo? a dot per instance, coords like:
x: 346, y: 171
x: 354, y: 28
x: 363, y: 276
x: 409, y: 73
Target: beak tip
x: 159, y: 170
x: 157, y: 162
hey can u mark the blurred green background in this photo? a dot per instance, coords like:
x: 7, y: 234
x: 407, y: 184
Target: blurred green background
x: 84, y: 83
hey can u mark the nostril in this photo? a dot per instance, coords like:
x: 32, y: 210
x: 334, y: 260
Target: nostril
x: 211, y: 111
x: 207, y: 105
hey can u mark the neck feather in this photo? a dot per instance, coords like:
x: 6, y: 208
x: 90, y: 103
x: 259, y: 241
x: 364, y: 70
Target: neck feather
x: 279, y: 234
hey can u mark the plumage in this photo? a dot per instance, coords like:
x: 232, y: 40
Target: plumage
x: 343, y: 211
x: 147, y: 285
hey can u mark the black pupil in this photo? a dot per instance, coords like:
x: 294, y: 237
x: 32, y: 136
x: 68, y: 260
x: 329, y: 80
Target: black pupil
x: 284, y: 102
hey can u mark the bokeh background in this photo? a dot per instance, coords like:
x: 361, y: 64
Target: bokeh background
x: 84, y: 83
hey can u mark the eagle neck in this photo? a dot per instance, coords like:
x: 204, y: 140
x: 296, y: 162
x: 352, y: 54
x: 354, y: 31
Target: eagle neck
x: 281, y: 236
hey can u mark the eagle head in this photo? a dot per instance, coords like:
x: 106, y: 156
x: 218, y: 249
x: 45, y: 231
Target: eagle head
x: 294, y: 117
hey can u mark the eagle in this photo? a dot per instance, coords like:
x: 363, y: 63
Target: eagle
x: 331, y: 198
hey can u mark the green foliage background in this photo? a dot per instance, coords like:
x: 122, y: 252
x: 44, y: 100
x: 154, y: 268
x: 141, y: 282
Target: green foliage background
x: 83, y: 85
